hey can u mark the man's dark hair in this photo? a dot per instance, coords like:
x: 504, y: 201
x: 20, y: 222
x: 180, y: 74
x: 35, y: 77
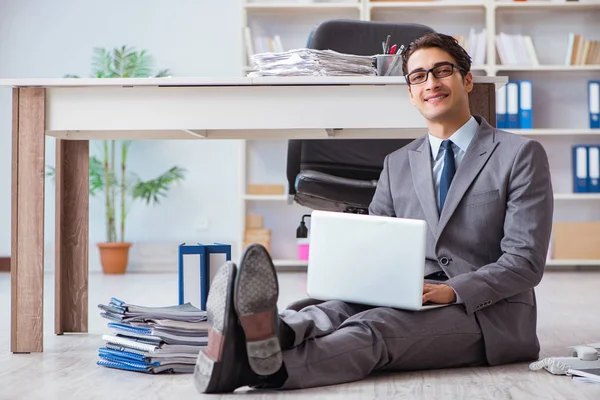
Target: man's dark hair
x: 444, y: 42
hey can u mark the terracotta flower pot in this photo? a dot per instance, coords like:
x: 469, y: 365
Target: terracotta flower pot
x: 114, y: 257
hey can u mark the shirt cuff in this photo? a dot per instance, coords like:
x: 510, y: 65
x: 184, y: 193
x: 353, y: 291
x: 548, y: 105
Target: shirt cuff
x: 458, y: 299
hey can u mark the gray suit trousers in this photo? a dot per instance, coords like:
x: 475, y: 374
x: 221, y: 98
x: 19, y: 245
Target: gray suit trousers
x: 337, y: 342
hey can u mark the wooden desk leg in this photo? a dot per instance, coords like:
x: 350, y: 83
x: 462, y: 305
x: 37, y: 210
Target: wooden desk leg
x: 71, y: 251
x: 27, y: 227
x: 482, y: 101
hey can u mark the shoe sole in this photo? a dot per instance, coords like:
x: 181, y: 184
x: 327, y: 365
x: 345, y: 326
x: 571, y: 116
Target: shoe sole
x: 210, y: 376
x: 255, y: 299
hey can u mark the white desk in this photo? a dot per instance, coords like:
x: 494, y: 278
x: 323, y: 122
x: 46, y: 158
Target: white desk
x: 78, y: 110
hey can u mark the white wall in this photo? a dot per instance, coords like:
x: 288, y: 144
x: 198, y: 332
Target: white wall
x: 40, y: 38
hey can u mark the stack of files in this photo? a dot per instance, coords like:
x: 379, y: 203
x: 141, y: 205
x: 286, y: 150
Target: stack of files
x: 153, y: 339
x: 514, y: 105
x: 310, y: 62
x: 589, y: 375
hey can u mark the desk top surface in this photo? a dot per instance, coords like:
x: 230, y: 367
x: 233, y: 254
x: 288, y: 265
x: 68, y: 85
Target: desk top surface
x: 234, y: 81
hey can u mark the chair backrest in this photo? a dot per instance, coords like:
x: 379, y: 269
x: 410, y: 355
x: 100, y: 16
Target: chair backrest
x: 363, y: 37
x: 350, y: 158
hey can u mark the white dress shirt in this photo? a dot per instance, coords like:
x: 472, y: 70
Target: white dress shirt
x: 460, y: 142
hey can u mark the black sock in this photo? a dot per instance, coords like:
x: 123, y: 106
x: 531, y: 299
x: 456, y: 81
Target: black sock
x: 287, y: 337
x: 274, y: 381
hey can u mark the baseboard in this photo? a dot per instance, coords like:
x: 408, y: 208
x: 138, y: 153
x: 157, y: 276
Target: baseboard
x: 4, y: 264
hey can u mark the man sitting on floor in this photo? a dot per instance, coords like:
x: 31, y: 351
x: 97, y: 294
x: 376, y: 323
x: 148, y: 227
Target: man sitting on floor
x: 486, y: 195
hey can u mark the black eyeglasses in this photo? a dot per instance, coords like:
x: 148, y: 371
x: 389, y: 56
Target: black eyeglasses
x: 439, y: 70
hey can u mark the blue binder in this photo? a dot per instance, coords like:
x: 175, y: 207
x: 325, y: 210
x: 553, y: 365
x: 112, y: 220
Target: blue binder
x: 594, y: 104
x: 501, y: 108
x: 512, y: 105
x: 580, y: 169
x: 204, y: 251
x: 593, y: 169
x: 525, y: 104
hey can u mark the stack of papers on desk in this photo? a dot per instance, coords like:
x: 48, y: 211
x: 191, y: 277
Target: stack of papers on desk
x: 153, y: 339
x: 309, y: 62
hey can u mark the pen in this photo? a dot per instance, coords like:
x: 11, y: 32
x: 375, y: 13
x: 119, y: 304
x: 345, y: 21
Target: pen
x: 393, y: 49
x: 387, y: 44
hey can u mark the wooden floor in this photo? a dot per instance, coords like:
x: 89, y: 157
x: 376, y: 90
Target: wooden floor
x: 67, y: 369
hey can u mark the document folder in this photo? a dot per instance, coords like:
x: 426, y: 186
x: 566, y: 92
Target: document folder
x: 594, y: 169
x: 594, y: 103
x: 580, y: 169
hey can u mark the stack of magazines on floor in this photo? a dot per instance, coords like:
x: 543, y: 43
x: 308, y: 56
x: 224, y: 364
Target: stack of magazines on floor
x: 310, y: 62
x: 153, y: 339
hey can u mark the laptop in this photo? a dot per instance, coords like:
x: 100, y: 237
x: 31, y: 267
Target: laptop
x: 367, y: 259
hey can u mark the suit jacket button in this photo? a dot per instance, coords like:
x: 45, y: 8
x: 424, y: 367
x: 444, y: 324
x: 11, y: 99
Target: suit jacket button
x: 444, y: 261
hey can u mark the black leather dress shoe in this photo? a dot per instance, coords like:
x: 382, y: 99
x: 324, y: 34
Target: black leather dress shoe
x: 255, y: 298
x: 223, y: 366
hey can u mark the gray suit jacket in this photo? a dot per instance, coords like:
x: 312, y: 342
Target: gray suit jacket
x: 493, y: 234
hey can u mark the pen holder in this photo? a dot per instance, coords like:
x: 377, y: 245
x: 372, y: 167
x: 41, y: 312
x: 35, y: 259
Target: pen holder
x: 389, y: 64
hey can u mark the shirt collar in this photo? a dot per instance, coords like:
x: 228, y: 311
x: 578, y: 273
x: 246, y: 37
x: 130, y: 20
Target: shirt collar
x: 461, y: 138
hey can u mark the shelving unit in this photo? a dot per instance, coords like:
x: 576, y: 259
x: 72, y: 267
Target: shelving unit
x: 560, y: 116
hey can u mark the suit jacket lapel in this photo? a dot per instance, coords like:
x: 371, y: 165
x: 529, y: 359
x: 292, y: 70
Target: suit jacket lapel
x: 479, y: 151
x: 421, y: 171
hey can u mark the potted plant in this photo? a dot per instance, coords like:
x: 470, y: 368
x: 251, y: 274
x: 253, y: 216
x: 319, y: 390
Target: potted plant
x: 110, y: 176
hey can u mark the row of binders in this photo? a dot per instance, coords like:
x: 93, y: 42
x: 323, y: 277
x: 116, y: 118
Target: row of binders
x: 586, y: 169
x: 514, y: 105
x: 152, y: 339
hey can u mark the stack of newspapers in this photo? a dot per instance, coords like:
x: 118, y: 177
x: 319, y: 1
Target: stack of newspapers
x: 309, y: 62
x: 152, y: 339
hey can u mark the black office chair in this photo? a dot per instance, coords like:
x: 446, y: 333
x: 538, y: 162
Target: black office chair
x: 341, y: 174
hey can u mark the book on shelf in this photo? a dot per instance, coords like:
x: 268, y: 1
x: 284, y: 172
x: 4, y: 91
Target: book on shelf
x: 582, y: 51
x: 475, y: 44
x: 261, y: 43
x: 516, y: 49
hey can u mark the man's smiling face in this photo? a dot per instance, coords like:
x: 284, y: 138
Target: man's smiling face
x: 438, y: 99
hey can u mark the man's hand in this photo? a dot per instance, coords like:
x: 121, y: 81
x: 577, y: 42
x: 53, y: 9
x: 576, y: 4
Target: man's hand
x: 438, y: 294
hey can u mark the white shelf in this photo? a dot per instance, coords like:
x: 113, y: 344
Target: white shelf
x: 560, y: 96
x: 555, y: 132
x: 573, y: 263
x: 265, y: 197
x: 547, y: 68
x: 415, y: 5
x: 290, y: 263
x: 548, y: 5
x: 576, y: 196
x: 480, y: 67
x: 291, y: 7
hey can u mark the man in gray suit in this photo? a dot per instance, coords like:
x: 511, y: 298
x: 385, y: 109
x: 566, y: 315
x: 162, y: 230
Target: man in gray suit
x: 486, y: 195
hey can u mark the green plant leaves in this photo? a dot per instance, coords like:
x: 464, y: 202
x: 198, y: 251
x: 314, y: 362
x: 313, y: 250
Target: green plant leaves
x: 152, y: 190
x: 123, y: 62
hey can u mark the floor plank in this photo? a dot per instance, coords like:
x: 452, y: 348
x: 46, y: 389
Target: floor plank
x: 67, y: 369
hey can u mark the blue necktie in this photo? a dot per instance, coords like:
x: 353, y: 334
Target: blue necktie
x: 447, y: 172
